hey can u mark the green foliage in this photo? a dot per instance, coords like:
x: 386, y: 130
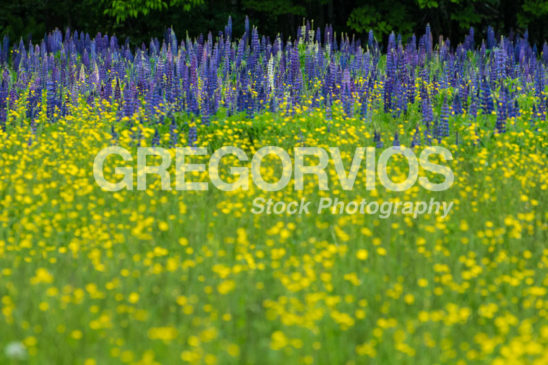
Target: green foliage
x: 533, y: 10
x: 275, y: 8
x: 382, y: 20
x: 428, y: 4
x: 123, y: 9
x: 141, y: 19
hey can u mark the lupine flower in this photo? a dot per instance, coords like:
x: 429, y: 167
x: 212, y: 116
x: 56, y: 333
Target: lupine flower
x: 252, y: 74
x: 156, y: 138
x: 396, y: 142
x: 192, y: 136
x: 377, y: 140
x: 444, y: 120
x: 486, y: 100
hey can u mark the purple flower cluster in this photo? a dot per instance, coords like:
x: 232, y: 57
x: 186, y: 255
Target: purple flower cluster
x: 254, y: 73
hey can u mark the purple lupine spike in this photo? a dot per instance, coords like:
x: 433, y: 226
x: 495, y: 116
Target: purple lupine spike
x: 377, y: 140
x: 533, y: 119
x: 117, y: 92
x: 444, y: 120
x: 228, y: 29
x: 427, y: 112
x: 5, y: 49
x: 173, y: 136
x: 192, y: 136
x: 469, y: 42
x: 255, y: 47
x: 130, y: 100
x: 500, y: 59
x: 410, y: 90
x: 504, y: 102
x: 391, y: 42
x: 156, y: 138
x: 491, y: 42
x: 113, y: 134
x: 487, y: 106
x: 371, y: 40
x: 396, y: 141
x: 50, y: 97
x: 515, y: 110
x: 500, y: 126
x: 246, y: 27
x: 428, y: 40
x: 4, y: 88
x: 437, y: 131
x: 363, y: 109
x: 427, y: 135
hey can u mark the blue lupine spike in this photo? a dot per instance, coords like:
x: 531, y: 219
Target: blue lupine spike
x: 428, y: 40
x: 5, y: 49
x: 156, y: 138
x: 377, y: 140
x: 473, y: 107
x: 229, y: 28
x: 516, y: 112
x: 444, y: 120
x: 533, y: 119
x: 173, y: 136
x: 500, y: 126
x: 486, y: 100
x: 113, y: 134
x: 50, y: 97
x: 427, y: 135
x: 364, y: 108
x: 192, y: 136
x: 391, y: 41
x: 371, y: 39
x: 246, y: 27
x: 396, y: 141
x: 490, y: 37
x: 457, y: 107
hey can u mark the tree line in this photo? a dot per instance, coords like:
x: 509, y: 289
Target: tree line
x: 139, y: 20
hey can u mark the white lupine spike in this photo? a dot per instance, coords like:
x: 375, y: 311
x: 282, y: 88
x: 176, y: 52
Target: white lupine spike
x: 270, y: 73
x: 303, y: 34
x: 95, y: 75
x: 82, y: 76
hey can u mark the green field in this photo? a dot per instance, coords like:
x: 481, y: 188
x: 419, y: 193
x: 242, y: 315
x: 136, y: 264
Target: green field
x: 147, y: 277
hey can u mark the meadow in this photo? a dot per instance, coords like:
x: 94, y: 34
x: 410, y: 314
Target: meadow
x: 159, y: 276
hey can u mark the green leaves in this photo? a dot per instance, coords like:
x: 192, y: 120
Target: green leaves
x: 123, y: 9
x: 383, y: 18
x: 428, y: 4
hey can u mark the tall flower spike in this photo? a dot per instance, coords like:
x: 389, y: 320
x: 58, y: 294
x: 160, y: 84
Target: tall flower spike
x: 500, y: 126
x: 427, y: 134
x: 192, y: 136
x: 444, y: 120
x: 173, y: 136
x: 377, y: 140
x: 457, y: 107
x: 156, y: 138
x: 396, y: 141
x: 486, y: 99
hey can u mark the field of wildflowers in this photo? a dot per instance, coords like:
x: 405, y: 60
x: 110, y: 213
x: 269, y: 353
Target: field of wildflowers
x: 166, y: 276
